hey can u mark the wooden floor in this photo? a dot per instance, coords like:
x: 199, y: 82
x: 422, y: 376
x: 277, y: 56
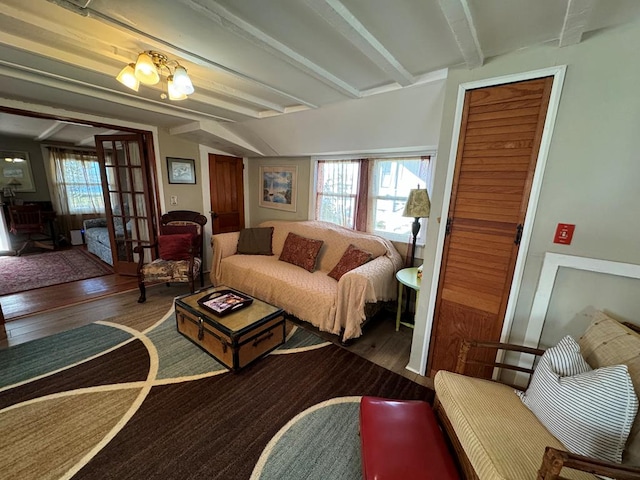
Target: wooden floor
x: 380, y: 343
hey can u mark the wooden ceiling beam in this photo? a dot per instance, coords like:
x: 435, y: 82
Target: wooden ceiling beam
x: 458, y: 15
x: 575, y: 21
x: 223, y: 17
x: 346, y: 23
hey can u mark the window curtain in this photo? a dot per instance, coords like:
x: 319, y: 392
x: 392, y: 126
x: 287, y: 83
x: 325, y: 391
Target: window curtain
x: 77, y: 187
x: 362, y: 200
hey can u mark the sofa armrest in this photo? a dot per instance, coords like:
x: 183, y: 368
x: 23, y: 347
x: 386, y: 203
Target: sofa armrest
x: 468, y: 345
x: 368, y: 283
x: 94, y: 223
x: 554, y: 460
x: 223, y: 245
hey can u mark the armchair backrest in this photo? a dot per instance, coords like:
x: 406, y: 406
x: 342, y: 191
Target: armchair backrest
x: 25, y: 219
x: 185, y: 221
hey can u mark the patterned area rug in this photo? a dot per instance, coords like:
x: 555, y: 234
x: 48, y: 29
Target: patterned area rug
x: 51, y: 268
x: 109, y: 401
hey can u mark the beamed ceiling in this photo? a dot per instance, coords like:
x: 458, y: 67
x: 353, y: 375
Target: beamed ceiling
x: 254, y: 59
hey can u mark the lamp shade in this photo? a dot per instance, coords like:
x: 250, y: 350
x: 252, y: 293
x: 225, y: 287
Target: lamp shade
x: 418, y: 204
x: 174, y: 93
x: 181, y: 81
x: 127, y: 77
x: 146, y: 70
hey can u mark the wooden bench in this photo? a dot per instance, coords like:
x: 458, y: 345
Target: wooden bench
x: 401, y: 440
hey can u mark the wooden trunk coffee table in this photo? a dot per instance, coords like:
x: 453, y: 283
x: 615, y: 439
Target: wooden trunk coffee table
x: 236, y: 339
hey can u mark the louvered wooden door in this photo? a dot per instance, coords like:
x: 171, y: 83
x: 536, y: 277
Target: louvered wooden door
x: 498, y: 147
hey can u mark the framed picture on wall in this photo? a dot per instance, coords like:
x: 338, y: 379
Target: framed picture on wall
x: 279, y: 187
x: 181, y: 170
x: 15, y: 171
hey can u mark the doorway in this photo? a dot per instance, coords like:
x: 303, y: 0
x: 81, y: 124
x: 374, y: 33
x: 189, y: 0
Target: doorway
x: 462, y: 303
x: 226, y: 193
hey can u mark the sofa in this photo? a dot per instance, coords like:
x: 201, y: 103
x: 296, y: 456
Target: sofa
x: 336, y: 306
x: 496, y: 436
x: 96, y: 236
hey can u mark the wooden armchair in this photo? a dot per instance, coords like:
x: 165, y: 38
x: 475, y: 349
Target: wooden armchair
x: 554, y: 460
x: 177, y: 252
x: 31, y: 221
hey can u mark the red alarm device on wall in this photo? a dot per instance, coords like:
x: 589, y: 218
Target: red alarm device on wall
x: 564, y: 233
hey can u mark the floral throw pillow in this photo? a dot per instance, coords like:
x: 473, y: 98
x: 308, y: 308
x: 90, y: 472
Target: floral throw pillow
x: 352, y: 258
x: 301, y: 251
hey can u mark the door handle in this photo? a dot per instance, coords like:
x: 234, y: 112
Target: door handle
x: 213, y: 214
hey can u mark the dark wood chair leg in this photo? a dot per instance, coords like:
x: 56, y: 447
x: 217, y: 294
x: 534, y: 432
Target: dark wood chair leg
x: 143, y: 293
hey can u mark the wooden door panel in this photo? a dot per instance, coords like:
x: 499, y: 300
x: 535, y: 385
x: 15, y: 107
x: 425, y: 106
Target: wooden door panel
x: 508, y: 92
x: 127, y: 189
x: 500, y: 136
x: 227, y: 193
x: 479, y: 129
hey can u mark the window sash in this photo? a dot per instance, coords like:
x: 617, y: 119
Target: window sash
x: 400, y: 175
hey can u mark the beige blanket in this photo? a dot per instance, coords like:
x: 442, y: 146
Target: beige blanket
x: 313, y: 297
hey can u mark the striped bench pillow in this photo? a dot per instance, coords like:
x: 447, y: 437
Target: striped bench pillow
x: 589, y: 411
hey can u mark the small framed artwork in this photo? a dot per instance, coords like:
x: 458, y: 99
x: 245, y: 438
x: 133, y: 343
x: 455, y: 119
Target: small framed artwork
x: 15, y: 171
x: 278, y: 187
x: 181, y: 170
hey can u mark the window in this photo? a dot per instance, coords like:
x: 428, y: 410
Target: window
x: 337, y: 191
x: 391, y: 181
x: 77, y: 181
x: 348, y: 195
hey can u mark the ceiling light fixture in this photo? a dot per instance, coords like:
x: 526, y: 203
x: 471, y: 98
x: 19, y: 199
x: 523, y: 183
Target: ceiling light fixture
x: 148, y: 69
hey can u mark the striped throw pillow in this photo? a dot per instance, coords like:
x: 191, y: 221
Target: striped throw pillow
x: 589, y: 411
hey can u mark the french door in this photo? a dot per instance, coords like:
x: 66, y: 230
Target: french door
x: 128, y: 187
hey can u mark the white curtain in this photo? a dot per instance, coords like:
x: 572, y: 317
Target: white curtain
x: 5, y: 241
x: 77, y: 186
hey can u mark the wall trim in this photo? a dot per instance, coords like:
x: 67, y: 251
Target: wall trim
x: 550, y: 266
x: 558, y: 72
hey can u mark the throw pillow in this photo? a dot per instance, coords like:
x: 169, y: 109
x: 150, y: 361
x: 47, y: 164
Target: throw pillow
x: 181, y: 229
x: 352, y: 258
x: 301, y: 251
x: 255, y: 241
x: 589, y: 411
x: 174, y: 247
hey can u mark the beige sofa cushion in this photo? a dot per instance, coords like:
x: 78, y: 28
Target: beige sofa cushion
x: 502, y: 438
x: 607, y: 342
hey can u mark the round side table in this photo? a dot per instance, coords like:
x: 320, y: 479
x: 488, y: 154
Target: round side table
x: 408, y: 277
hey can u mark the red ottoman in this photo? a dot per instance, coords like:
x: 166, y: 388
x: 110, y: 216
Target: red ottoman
x: 401, y: 440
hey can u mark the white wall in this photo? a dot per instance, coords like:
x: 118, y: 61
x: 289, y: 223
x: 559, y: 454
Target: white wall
x: 395, y: 120
x: 592, y: 171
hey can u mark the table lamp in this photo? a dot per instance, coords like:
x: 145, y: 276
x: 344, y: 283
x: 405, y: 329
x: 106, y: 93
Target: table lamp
x: 10, y: 189
x: 418, y: 206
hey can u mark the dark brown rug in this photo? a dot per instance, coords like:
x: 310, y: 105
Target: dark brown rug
x: 155, y: 406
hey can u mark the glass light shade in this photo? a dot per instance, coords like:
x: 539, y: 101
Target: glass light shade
x: 174, y: 93
x: 146, y: 70
x: 418, y: 204
x: 128, y: 78
x: 182, y: 81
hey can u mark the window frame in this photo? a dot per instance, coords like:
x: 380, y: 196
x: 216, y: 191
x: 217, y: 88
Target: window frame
x: 313, y: 178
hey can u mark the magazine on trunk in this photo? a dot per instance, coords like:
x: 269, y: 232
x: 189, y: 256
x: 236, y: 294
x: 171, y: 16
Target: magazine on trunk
x: 224, y: 302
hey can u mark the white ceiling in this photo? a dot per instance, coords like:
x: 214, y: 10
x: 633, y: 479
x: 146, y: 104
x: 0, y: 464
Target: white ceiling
x: 253, y: 59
